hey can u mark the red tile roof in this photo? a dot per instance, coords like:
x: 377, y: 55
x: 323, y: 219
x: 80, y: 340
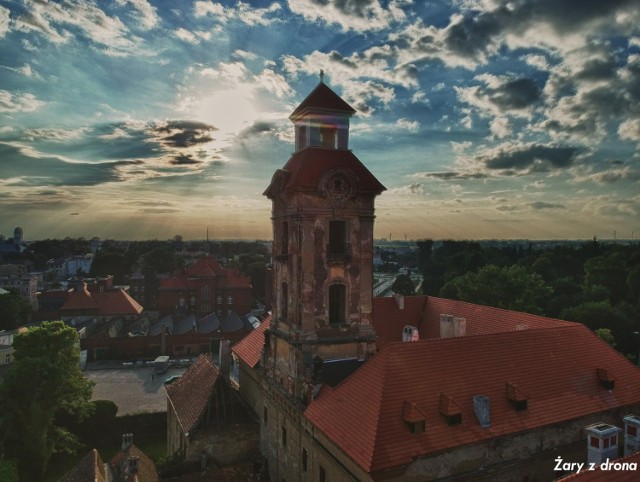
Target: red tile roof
x: 205, y: 267
x: 325, y: 99
x: 554, y: 367
x: 250, y: 347
x: 90, y: 468
x: 424, y: 312
x: 305, y: 168
x: 114, y: 302
x: 189, y: 396
x: 146, y: 472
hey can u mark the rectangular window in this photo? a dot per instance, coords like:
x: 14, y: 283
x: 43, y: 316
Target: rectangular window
x: 605, y: 443
x: 323, y: 475
x: 265, y: 417
x: 594, y: 442
x: 337, y: 237
x: 284, y: 437
x: 285, y: 238
x: 304, y: 460
x: 632, y: 430
x: 229, y: 299
x: 337, y: 304
x: 614, y: 440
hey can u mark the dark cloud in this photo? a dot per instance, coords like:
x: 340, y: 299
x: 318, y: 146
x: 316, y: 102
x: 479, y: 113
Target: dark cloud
x: 182, y: 160
x: 539, y: 205
x: 474, y: 35
x: 532, y: 157
x: 39, y: 170
x: 452, y: 175
x: 256, y: 129
x: 185, y: 133
x: 357, y: 8
x: 515, y: 94
x: 337, y: 57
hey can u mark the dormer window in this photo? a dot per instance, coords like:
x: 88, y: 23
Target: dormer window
x: 414, y: 418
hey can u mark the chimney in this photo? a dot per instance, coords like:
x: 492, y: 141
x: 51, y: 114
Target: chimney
x: 410, y: 333
x: 127, y: 441
x: 482, y: 409
x: 399, y: 300
x: 446, y: 326
x: 459, y: 326
x: 224, y: 359
x: 602, y: 442
x: 631, y: 434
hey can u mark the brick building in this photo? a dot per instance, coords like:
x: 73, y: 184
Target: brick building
x: 348, y: 387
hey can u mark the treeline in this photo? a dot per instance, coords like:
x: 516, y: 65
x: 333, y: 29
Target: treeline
x: 591, y: 283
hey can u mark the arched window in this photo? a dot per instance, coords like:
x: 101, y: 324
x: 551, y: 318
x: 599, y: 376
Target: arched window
x: 337, y: 304
x: 205, y: 293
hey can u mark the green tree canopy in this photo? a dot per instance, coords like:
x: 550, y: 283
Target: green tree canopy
x: 15, y: 311
x: 512, y: 288
x: 44, y: 381
x: 404, y: 285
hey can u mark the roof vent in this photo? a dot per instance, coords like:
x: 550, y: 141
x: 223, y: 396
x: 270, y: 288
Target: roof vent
x: 450, y: 410
x: 482, y: 409
x: 413, y: 417
x: 410, y: 333
x: 607, y: 380
x: 517, y: 397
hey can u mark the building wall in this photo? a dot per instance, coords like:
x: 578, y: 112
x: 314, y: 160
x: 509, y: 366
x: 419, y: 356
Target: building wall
x: 249, y: 387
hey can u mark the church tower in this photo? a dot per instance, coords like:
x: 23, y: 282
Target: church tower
x: 323, y: 218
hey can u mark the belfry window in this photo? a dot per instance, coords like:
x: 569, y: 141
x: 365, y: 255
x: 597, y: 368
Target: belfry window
x: 329, y: 137
x: 337, y: 304
x: 285, y: 238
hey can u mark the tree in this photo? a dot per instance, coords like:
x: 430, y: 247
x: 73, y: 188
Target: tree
x: 512, y: 288
x: 15, y: 311
x: 403, y: 285
x: 605, y: 335
x: 44, y: 382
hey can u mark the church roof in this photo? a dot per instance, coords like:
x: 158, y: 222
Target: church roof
x: 190, y: 394
x: 322, y: 98
x: 556, y: 371
x: 306, y: 167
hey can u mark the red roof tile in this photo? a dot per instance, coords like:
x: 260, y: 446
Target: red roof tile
x: 80, y: 300
x: 424, y: 312
x: 205, y: 267
x: 107, y: 303
x: 250, y: 347
x: 306, y: 167
x: 555, y: 367
x: 190, y: 394
x: 147, y: 471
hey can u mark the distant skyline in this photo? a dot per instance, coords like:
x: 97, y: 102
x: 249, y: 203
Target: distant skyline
x: 485, y: 119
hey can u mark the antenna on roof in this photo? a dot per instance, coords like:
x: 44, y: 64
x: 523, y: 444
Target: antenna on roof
x: 321, y: 76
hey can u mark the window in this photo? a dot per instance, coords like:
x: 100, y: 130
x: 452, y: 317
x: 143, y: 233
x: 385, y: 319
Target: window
x: 337, y: 304
x: 192, y: 300
x: 594, y: 442
x: 614, y: 440
x: 219, y: 299
x: 302, y: 137
x: 329, y: 137
x: 285, y: 238
x: 284, y: 436
x: 304, y: 460
x: 416, y: 427
x: 605, y: 443
x: 265, y: 417
x: 284, y: 302
x: 632, y: 430
x: 337, y: 237
x: 323, y: 475
x: 230, y: 299
x: 206, y: 293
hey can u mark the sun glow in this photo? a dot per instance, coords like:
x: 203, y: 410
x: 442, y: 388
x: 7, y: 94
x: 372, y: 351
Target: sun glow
x: 229, y: 111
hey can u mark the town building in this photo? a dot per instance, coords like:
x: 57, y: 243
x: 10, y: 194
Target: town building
x: 348, y: 387
x: 26, y: 285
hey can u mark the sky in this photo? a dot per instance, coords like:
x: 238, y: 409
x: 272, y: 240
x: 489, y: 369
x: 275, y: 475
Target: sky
x: 484, y: 119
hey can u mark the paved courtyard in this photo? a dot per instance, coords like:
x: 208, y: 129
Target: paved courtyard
x: 134, y: 390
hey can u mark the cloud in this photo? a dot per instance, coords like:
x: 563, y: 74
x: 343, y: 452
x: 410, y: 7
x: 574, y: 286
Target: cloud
x: 4, y: 21
x: 409, y: 125
x: 194, y: 37
x: 183, y: 134
x: 541, y: 205
x: 18, y: 102
x: 145, y: 14
x: 59, y: 23
x: 244, y: 12
x: 274, y: 83
x: 610, y: 176
x: 358, y: 15
x: 528, y: 158
x: 413, y: 189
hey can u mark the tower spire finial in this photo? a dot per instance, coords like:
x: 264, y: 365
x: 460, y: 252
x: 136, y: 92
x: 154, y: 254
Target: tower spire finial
x: 321, y: 76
